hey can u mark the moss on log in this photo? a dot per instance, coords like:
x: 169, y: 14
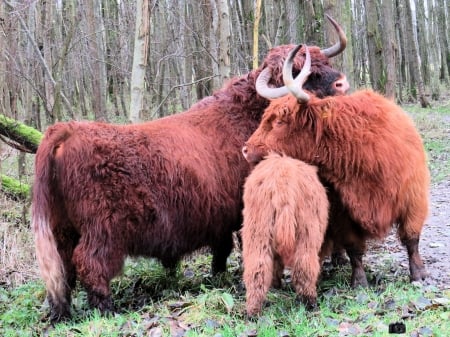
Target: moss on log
x: 22, y: 137
x: 14, y: 189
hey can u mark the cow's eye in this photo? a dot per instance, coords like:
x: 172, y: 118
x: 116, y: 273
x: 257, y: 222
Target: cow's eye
x: 279, y: 122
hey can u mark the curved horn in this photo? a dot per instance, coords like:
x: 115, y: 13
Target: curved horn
x: 264, y: 90
x: 295, y: 86
x: 340, y: 45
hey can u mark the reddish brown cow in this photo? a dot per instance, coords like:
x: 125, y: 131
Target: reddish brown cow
x: 367, y: 148
x: 285, y: 219
x: 161, y: 189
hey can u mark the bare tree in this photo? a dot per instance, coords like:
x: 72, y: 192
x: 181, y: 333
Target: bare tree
x: 413, y: 55
x: 389, y: 48
x: 141, y: 48
x: 224, y: 33
x: 96, y: 31
x: 256, y: 33
x: 374, y: 44
x: 341, y: 12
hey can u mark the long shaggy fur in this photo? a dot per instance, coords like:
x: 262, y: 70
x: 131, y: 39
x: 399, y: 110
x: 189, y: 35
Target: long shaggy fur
x: 285, y: 219
x: 161, y: 189
x: 369, y: 151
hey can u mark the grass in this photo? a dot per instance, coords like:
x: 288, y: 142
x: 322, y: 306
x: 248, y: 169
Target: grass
x: 151, y: 302
x: 434, y: 126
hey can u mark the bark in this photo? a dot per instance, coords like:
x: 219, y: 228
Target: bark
x: 403, y: 61
x: 443, y: 37
x: 341, y: 12
x: 389, y: 48
x: 293, y: 20
x: 224, y: 41
x: 140, y: 56
x: 359, y: 44
x: 414, y: 57
x: 97, y: 58
x: 256, y: 33
x: 311, y: 25
x: 374, y: 45
x: 422, y: 37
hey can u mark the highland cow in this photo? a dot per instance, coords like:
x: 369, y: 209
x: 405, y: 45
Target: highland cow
x: 285, y: 219
x: 162, y: 189
x: 367, y: 148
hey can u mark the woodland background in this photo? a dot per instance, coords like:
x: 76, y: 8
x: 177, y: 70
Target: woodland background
x: 85, y: 59
x: 129, y: 61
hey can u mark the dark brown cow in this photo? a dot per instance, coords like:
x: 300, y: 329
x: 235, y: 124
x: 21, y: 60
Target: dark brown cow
x: 161, y: 189
x: 367, y: 148
x: 285, y: 219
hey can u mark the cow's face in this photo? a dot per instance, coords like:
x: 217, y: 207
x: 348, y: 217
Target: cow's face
x: 275, y: 133
x: 329, y: 82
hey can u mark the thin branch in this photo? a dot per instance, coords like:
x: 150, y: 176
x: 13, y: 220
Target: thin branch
x: 179, y: 86
x: 40, y: 57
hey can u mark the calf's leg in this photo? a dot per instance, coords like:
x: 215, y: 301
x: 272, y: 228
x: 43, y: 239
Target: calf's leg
x: 305, y: 274
x: 258, y: 275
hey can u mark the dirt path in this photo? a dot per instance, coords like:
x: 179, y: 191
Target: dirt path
x: 434, y: 244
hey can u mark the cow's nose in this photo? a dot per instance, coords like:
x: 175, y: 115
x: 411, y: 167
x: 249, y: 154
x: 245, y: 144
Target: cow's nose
x: 245, y: 151
x: 342, y: 85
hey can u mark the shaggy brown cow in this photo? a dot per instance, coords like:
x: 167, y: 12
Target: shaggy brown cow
x: 161, y: 189
x: 285, y: 219
x: 367, y: 148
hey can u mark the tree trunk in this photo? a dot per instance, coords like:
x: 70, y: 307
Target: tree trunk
x: 374, y: 45
x: 256, y: 33
x: 443, y: 24
x: 311, y: 24
x: 414, y: 57
x: 141, y: 48
x: 293, y: 20
x: 389, y: 48
x: 341, y: 12
x: 224, y: 41
x: 422, y: 38
x: 97, y: 57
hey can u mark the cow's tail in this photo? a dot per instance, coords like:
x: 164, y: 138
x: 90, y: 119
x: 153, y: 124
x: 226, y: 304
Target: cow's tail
x: 285, y: 228
x: 45, y: 220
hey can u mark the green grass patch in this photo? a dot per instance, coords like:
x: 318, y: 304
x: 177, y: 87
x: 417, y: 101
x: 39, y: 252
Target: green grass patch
x: 190, y: 302
x: 434, y: 126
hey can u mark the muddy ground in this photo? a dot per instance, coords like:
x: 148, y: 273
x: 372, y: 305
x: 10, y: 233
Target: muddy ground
x: 434, y: 244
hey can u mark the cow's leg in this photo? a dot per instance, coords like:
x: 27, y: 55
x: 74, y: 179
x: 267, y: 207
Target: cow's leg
x: 220, y: 252
x: 339, y: 257
x: 409, y: 230
x: 356, y: 260
x: 354, y: 242
x: 417, y: 268
x: 97, y: 262
x: 171, y: 266
x: 348, y: 234
x: 277, y: 271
